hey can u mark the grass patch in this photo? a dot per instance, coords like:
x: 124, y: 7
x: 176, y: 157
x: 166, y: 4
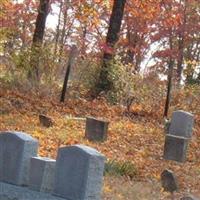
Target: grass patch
x: 120, y: 168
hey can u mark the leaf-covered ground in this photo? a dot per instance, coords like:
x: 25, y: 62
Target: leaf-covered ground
x: 139, y: 140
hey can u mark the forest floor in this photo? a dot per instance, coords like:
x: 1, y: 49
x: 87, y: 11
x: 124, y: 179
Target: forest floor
x: 138, y: 139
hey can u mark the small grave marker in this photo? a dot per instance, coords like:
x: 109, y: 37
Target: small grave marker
x: 45, y: 121
x: 96, y: 130
x: 79, y: 173
x: 169, y: 182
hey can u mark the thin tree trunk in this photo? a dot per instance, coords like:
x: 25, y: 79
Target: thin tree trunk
x: 69, y: 65
x: 38, y: 39
x: 63, y: 35
x: 104, y: 84
x: 181, y: 44
x: 58, y: 28
x: 169, y: 83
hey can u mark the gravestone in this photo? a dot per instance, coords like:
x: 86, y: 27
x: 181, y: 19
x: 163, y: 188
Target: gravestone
x: 16, y: 149
x: 45, y: 121
x: 42, y: 172
x: 168, y: 181
x: 79, y: 173
x: 175, y: 148
x: 181, y: 124
x: 96, y: 130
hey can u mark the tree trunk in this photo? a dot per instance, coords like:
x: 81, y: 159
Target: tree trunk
x: 69, y: 65
x: 38, y: 39
x: 169, y: 83
x: 181, y: 45
x: 104, y: 84
x: 58, y: 28
x: 63, y: 35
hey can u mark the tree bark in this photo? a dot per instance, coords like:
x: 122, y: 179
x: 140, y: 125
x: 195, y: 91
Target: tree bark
x: 69, y: 65
x: 58, y: 28
x: 181, y: 45
x: 104, y: 84
x: 63, y: 34
x: 38, y: 39
x: 170, y: 76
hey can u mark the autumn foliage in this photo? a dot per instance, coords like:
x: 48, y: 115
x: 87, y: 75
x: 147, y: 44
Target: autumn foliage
x: 154, y: 41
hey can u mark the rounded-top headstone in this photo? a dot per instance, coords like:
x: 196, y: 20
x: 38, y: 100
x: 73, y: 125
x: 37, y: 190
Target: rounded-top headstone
x: 79, y: 173
x: 181, y: 124
x: 16, y: 149
x: 168, y: 180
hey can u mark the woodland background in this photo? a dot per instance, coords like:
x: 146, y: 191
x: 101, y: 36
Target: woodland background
x: 132, y: 62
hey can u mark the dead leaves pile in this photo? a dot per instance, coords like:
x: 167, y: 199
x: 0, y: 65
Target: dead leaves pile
x: 139, y: 141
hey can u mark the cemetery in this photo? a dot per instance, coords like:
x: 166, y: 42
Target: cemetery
x: 99, y: 100
x: 77, y: 172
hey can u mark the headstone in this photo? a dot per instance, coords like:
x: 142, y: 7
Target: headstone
x: 175, y: 148
x: 45, y: 121
x: 96, y: 130
x: 16, y: 149
x: 79, y: 173
x: 181, y: 124
x: 169, y: 182
x: 42, y: 172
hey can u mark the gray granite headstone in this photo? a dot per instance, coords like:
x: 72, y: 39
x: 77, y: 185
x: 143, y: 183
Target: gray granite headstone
x: 42, y: 172
x: 96, y: 130
x: 181, y: 124
x: 16, y: 149
x: 175, y: 148
x: 79, y: 173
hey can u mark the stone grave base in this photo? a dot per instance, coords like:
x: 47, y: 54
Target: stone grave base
x: 12, y: 192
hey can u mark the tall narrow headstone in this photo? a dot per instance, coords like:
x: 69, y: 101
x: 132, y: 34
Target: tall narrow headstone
x: 42, y: 173
x: 175, y: 148
x: 96, y: 130
x: 16, y: 149
x: 79, y: 173
x: 181, y: 124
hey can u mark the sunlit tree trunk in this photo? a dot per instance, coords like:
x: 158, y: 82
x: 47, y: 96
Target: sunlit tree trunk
x: 62, y: 38
x: 58, y: 28
x: 181, y: 45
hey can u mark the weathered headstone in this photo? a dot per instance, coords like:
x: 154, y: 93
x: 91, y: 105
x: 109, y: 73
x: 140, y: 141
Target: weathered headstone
x: 181, y: 124
x: 175, y: 148
x: 96, y: 130
x: 79, y: 173
x: 16, y: 149
x: 42, y: 172
x: 168, y: 181
x: 45, y: 121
